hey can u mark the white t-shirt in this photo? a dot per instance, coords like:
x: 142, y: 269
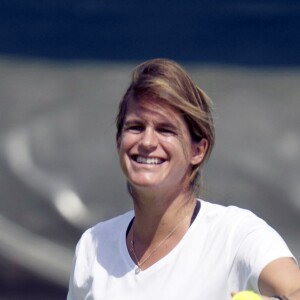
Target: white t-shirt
x: 224, y: 250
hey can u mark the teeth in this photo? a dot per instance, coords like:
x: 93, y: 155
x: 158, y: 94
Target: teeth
x: 149, y: 160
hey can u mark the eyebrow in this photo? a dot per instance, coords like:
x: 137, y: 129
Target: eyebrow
x: 167, y: 121
x: 167, y: 124
x: 133, y: 121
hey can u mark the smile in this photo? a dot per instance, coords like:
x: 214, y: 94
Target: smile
x: 148, y: 160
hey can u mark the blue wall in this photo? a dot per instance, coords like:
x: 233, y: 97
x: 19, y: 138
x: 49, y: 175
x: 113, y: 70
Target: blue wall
x: 229, y: 32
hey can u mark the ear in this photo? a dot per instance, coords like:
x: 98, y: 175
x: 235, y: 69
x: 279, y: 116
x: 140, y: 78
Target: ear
x: 198, y: 151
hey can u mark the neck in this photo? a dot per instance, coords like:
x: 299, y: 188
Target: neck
x: 158, y: 228
x: 157, y: 214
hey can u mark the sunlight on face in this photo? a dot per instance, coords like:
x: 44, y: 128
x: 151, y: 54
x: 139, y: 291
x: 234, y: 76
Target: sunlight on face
x: 155, y: 146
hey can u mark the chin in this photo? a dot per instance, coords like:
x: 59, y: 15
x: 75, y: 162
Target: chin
x: 147, y: 184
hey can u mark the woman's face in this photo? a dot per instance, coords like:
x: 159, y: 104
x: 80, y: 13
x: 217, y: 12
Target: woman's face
x: 155, y: 146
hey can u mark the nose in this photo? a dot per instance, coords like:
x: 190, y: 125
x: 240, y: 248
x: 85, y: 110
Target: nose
x: 149, y: 139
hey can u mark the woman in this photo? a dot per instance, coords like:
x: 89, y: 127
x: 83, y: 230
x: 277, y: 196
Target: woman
x: 173, y: 245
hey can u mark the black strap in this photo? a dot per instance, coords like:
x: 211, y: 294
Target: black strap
x: 195, y: 212
x: 280, y: 297
x: 194, y: 215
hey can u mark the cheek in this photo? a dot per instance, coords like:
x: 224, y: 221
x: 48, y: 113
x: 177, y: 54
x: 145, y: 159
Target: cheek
x: 126, y: 145
x: 184, y: 147
x: 123, y: 158
x: 125, y: 142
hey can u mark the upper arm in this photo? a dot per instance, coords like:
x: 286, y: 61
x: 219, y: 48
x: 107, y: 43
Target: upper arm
x: 280, y: 277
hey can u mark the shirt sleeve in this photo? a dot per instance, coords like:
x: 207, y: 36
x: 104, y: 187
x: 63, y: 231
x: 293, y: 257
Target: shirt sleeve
x: 79, y: 283
x: 259, y: 245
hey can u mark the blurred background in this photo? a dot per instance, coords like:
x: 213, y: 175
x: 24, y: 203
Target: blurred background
x: 64, y: 66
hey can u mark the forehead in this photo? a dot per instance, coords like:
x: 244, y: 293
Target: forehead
x: 155, y: 109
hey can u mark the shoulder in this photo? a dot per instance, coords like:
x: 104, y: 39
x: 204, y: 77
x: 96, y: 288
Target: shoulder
x: 108, y: 230
x: 245, y: 230
x: 113, y: 224
x: 234, y: 222
x: 230, y: 215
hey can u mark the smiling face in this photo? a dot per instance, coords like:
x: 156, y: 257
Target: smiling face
x: 155, y: 146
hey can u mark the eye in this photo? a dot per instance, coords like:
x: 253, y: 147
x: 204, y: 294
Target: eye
x: 166, y: 131
x: 135, y: 128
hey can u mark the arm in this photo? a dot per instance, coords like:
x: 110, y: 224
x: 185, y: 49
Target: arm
x: 281, y: 277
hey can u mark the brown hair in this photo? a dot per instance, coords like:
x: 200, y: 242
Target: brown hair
x: 166, y: 80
